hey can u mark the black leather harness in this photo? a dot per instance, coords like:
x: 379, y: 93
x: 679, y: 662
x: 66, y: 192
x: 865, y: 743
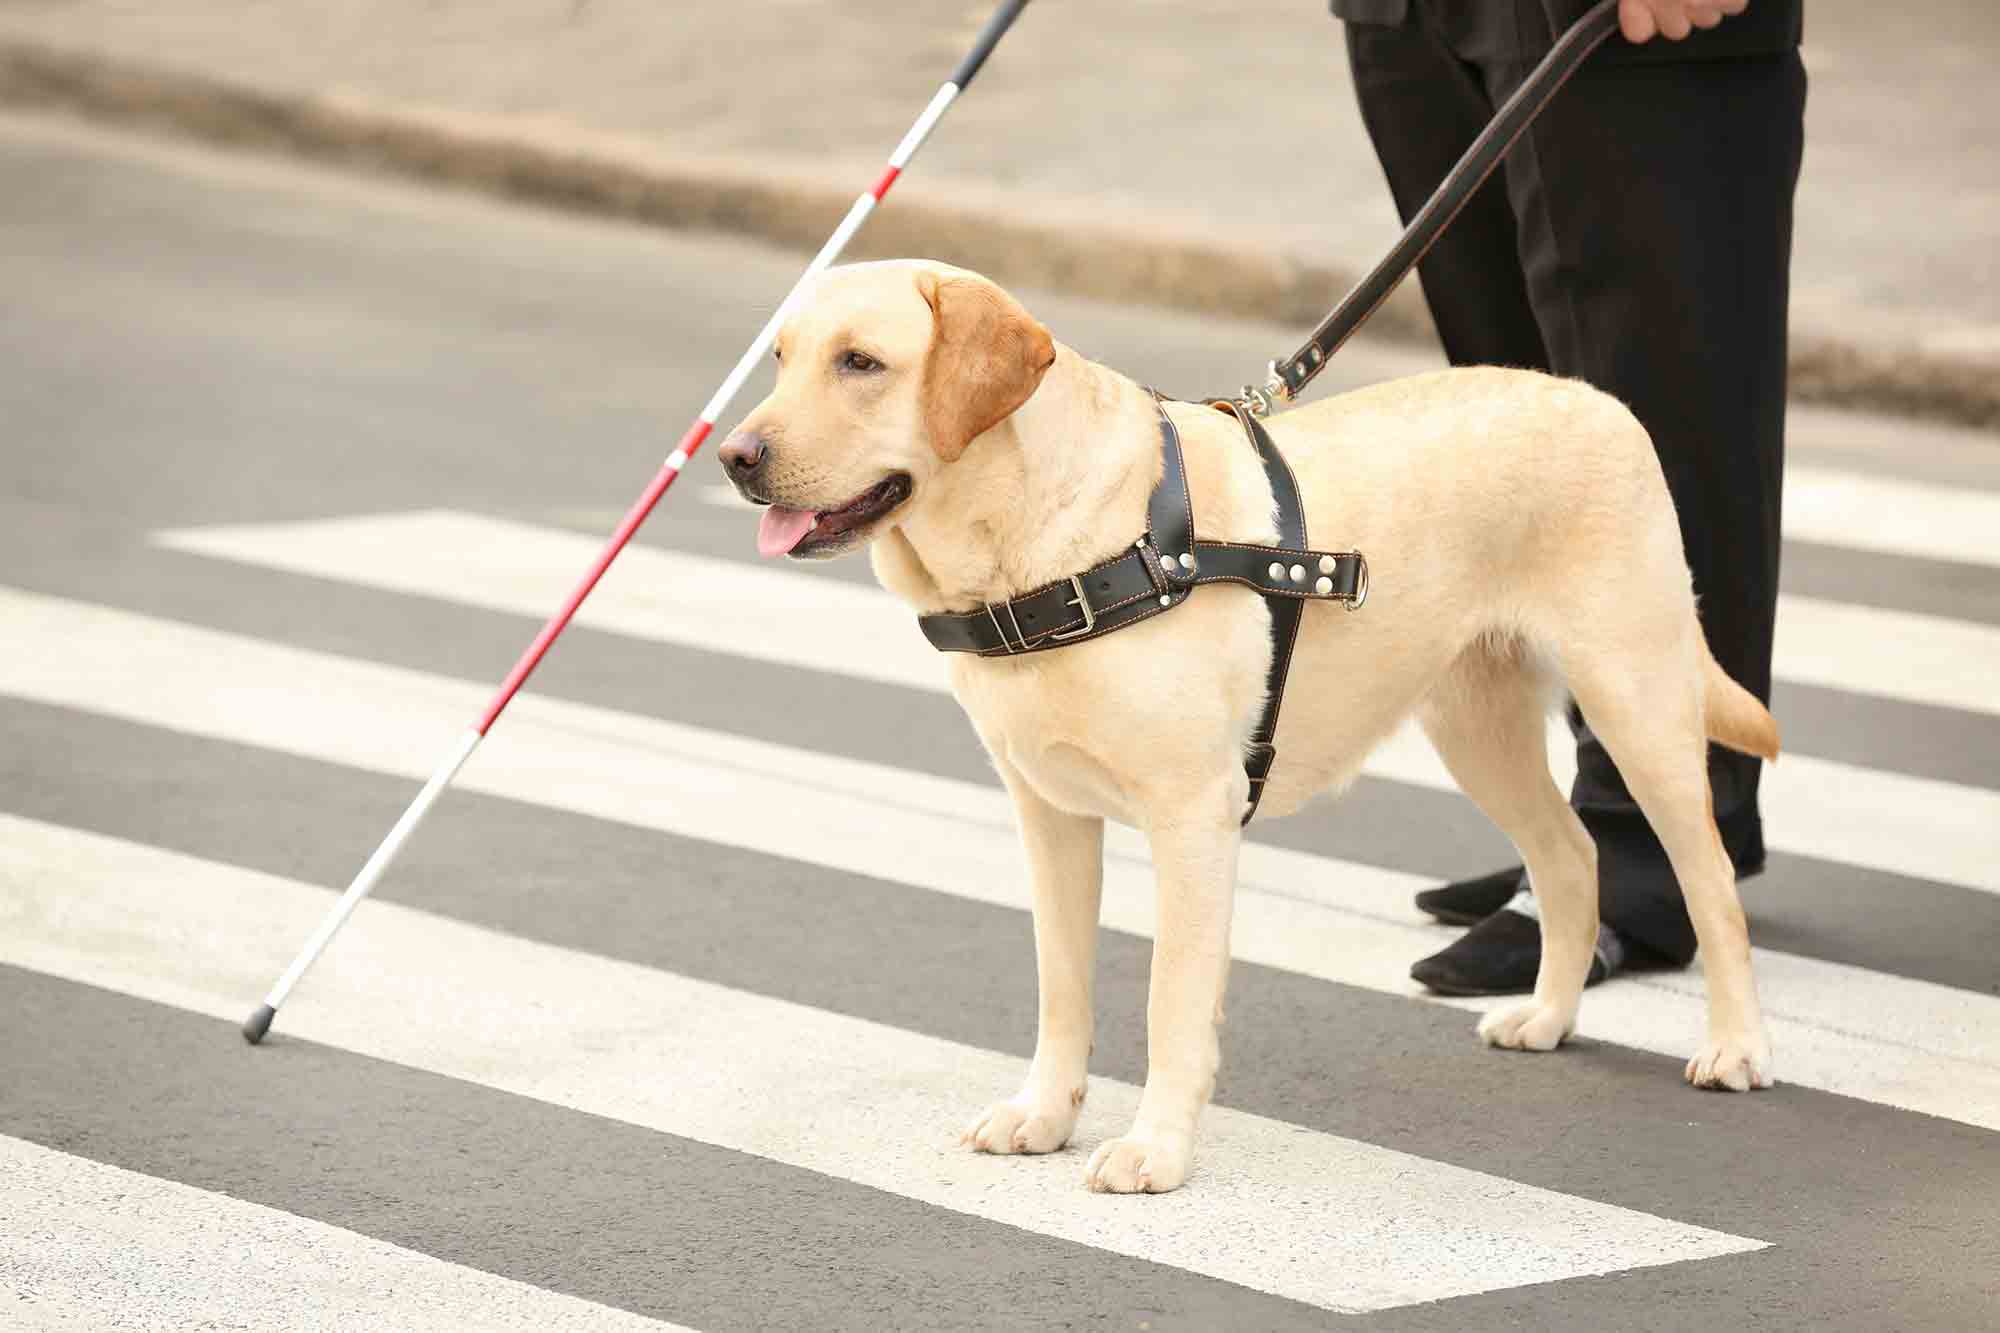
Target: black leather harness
x: 1158, y: 572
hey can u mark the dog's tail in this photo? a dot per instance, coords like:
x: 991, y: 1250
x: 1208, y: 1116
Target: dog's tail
x: 1732, y: 716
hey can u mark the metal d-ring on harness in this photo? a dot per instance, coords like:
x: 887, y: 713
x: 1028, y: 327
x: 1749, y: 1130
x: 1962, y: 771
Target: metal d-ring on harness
x: 1160, y: 569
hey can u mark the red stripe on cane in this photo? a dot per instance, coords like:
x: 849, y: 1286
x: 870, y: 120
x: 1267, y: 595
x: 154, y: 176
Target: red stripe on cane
x: 888, y: 179
x: 619, y: 536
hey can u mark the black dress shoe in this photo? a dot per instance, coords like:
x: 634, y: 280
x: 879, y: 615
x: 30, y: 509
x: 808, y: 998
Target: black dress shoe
x: 1467, y: 902
x: 1499, y: 956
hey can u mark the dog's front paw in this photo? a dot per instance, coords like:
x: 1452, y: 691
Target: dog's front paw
x: 1139, y: 1164
x: 1526, y: 1027
x: 1019, y: 1126
x: 1737, y: 1063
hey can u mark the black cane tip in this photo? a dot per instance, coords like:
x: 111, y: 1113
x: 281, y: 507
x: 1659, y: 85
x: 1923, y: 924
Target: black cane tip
x: 255, y: 1026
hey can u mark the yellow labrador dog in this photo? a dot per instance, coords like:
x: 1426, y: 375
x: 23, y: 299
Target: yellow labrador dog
x: 1522, y: 543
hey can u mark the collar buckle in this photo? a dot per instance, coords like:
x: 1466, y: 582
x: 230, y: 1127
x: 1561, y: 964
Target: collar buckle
x: 1021, y: 643
x: 1081, y: 603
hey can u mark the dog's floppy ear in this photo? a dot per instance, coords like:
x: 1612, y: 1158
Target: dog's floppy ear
x: 987, y: 357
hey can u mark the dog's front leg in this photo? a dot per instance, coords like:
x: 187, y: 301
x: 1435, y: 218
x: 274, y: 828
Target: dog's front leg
x: 1194, y: 859
x: 1066, y: 874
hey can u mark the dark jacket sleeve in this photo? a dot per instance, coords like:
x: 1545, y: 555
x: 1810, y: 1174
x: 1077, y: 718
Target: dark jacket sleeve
x: 1767, y: 27
x: 1371, y: 11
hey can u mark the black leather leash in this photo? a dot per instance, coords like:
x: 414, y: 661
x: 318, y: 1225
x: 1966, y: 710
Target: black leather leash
x: 1160, y: 569
x: 1288, y: 378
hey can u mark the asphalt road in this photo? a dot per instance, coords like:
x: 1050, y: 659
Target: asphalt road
x: 673, y: 1012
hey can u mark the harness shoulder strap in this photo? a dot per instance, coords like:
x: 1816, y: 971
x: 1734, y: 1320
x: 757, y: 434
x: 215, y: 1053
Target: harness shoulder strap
x: 1285, y: 611
x: 1169, y: 510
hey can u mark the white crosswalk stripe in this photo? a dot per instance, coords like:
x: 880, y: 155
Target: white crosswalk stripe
x: 1887, y: 1039
x: 1869, y: 513
x: 1886, y: 821
x: 1827, y: 505
x: 780, y: 614
x: 88, y: 1247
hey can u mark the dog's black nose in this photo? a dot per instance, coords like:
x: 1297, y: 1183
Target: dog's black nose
x: 742, y: 454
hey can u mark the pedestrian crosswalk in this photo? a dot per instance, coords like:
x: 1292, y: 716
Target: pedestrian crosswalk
x: 672, y: 1014
x: 837, y: 1095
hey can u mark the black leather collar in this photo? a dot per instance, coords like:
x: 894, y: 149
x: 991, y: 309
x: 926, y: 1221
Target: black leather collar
x: 1158, y: 572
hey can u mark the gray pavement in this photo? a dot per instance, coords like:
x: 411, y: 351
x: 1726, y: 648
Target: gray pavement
x: 195, y: 340
x: 1124, y: 147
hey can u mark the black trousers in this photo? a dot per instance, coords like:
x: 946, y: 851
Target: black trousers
x: 1639, y: 239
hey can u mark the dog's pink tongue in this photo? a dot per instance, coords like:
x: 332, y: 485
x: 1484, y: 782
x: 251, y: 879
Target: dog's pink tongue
x: 781, y: 529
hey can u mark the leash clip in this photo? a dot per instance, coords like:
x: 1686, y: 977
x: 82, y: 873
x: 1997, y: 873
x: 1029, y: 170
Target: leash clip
x: 1258, y: 401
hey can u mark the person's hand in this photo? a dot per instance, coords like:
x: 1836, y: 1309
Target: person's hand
x: 1641, y: 20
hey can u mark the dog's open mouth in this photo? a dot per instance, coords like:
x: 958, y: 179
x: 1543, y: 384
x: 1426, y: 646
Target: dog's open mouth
x: 784, y: 531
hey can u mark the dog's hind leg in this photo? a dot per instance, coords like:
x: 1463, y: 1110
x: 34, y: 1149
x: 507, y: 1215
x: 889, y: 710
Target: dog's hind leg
x: 1648, y: 709
x: 1066, y: 873
x: 1487, y: 720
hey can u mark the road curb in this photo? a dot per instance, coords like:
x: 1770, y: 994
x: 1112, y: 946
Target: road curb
x: 1064, y: 244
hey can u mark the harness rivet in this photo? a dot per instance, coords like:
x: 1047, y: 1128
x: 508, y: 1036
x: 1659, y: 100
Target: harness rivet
x: 1166, y: 600
x: 1277, y: 572
x: 1187, y: 561
x: 1298, y: 573
x: 1323, y: 587
x: 1167, y: 563
x: 1326, y: 564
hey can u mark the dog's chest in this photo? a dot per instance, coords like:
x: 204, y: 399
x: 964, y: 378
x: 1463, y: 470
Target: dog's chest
x: 1116, y: 726
x: 1073, y: 780
x: 1055, y: 733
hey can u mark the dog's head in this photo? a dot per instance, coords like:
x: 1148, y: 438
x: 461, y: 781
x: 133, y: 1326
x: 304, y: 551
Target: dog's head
x: 885, y: 375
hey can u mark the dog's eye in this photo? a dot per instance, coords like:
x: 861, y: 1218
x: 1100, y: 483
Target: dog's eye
x: 859, y: 362
x: 778, y: 354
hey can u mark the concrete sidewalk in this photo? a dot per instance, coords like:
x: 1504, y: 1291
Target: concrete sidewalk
x: 1118, y: 149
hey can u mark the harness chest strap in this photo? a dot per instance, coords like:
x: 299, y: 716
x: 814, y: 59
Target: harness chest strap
x: 1159, y: 571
